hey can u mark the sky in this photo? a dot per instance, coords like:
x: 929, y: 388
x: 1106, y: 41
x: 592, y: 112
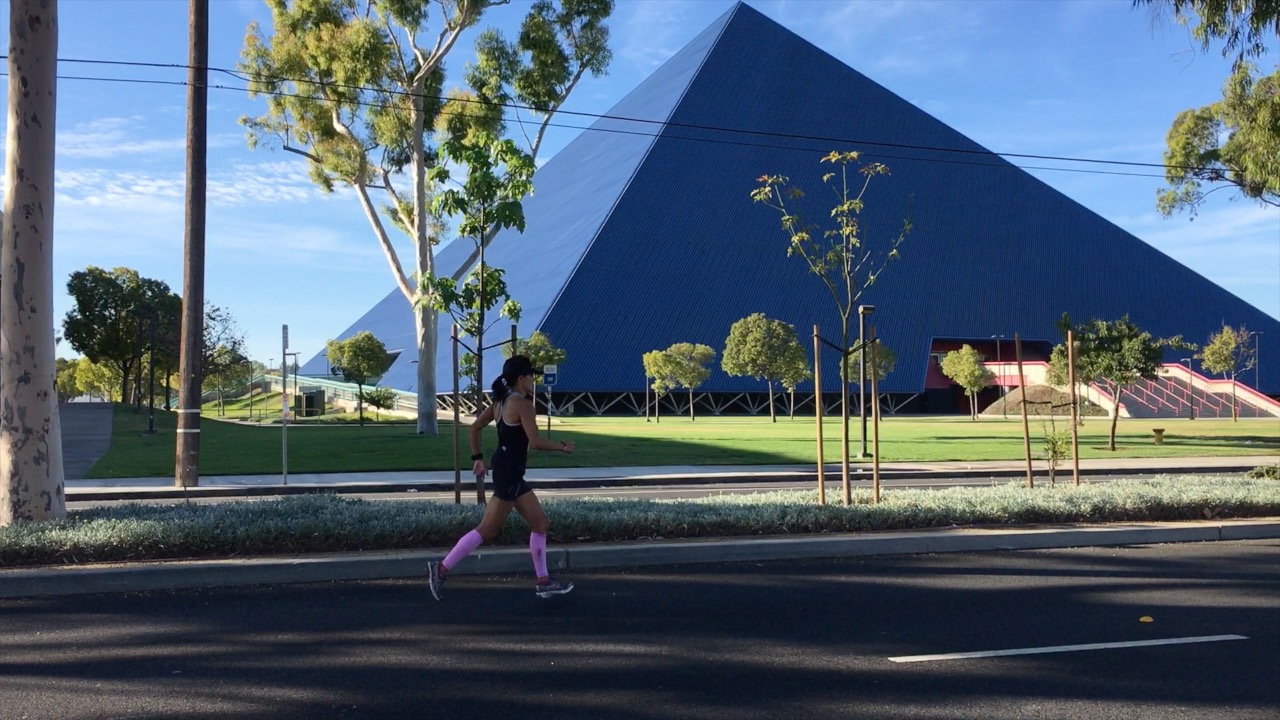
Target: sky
x: 1078, y: 78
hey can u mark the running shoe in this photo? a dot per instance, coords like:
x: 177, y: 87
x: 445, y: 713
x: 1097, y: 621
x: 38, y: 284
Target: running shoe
x: 435, y: 579
x: 552, y: 587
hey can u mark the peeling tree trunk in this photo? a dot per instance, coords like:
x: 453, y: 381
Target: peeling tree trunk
x: 31, y: 479
x: 424, y: 323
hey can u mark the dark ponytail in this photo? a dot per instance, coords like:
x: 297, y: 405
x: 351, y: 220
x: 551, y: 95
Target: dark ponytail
x: 500, y: 389
x: 513, y: 369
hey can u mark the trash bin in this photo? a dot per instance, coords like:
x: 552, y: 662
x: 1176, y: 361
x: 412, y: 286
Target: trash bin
x: 1159, y: 433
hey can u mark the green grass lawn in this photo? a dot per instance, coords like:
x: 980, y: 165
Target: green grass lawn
x: 231, y: 448
x: 266, y: 408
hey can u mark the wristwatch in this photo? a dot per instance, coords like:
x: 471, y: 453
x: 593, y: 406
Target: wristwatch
x: 477, y: 456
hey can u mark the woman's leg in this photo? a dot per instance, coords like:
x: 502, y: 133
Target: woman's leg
x: 495, y: 514
x: 531, y: 510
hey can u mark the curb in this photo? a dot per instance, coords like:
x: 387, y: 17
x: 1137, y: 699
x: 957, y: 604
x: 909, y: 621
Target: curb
x: 179, y: 575
x: 468, y: 484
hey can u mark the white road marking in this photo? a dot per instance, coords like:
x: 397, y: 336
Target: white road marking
x: 1065, y: 648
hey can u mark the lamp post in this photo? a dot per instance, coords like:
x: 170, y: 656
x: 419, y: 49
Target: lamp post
x: 1191, y: 401
x: 863, y: 312
x: 1004, y: 406
x: 284, y: 382
x: 151, y: 371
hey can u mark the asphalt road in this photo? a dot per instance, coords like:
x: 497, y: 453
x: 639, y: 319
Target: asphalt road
x: 726, y: 642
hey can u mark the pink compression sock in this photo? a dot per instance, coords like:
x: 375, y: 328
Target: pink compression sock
x: 538, y: 549
x: 466, y: 544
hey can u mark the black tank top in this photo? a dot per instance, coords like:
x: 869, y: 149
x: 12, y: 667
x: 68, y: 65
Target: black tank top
x: 513, y: 442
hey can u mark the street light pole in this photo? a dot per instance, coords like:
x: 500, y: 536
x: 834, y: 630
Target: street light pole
x: 151, y: 370
x: 863, y: 312
x: 1191, y: 401
x: 1257, y: 361
x: 1004, y: 405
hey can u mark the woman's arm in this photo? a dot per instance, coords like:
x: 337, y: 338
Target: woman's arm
x: 473, y: 435
x: 527, y: 419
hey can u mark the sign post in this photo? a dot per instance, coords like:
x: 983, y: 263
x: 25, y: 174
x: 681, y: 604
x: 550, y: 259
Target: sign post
x: 284, y: 403
x: 549, y: 381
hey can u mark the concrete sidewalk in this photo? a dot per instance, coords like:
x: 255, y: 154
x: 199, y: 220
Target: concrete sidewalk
x: 151, y: 576
x: 559, y: 478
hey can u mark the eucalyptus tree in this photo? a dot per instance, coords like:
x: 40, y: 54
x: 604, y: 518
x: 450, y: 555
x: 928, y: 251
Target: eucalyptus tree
x: 357, y: 88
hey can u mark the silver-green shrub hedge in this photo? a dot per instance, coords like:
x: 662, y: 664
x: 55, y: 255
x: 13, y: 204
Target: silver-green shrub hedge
x: 330, y: 523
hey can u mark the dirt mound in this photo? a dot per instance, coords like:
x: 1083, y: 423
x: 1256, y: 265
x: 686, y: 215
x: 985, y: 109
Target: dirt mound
x: 1042, y: 400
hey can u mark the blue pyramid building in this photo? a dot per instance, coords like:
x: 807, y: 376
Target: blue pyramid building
x: 641, y: 232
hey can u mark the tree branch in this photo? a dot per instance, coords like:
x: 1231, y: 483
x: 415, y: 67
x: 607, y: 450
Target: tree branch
x: 395, y: 40
x: 410, y: 293
x: 360, y: 184
x: 396, y: 201
x: 298, y: 151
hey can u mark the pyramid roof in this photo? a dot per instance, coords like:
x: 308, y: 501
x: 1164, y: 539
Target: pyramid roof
x: 641, y: 232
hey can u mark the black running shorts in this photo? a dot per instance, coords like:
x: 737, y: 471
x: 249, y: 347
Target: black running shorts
x: 508, y: 477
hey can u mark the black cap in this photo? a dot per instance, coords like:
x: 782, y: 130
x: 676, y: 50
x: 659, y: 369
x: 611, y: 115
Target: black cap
x: 517, y: 366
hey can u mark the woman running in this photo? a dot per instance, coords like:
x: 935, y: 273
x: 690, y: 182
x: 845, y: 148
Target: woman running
x: 512, y: 407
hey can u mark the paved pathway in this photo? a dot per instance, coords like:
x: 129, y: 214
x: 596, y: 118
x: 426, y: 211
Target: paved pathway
x: 711, y: 473
x: 86, y: 436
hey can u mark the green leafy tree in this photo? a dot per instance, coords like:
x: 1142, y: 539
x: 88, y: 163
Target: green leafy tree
x: 65, y: 379
x: 109, y: 322
x: 688, y: 363
x: 224, y: 348
x: 229, y: 372
x: 357, y: 88
x: 1056, y: 448
x: 1121, y: 353
x: 380, y: 398
x: 761, y: 348
x: 1059, y: 373
x: 358, y: 359
x: 498, y: 175
x: 1245, y: 27
x: 965, y: 368
x: 795, y: 370
x: 841, y: 256
x: 1228, y: 354
x: 539, y: 349
x: 1233, y: 143
x: 886, y: 361
x: 96, y: 380
x: 467, y: 304
x: 665, y: 372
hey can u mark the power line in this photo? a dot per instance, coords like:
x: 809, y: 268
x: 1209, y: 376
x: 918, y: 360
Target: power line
x: 250, y: 77
x: 667, y: 136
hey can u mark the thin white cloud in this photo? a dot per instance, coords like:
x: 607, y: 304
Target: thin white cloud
x: 654, y: 31
x: 112, y: 137
x: 241, y: 184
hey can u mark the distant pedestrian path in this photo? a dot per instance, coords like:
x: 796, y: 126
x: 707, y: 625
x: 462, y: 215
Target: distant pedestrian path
x: 86, y: 436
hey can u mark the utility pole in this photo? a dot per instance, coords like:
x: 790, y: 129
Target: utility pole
x: 187, y: 472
